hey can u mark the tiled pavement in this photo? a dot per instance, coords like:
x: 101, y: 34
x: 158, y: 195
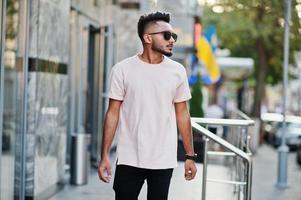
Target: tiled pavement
x: 265, y: 176
x: 264, y: 179
x: 179, y: 188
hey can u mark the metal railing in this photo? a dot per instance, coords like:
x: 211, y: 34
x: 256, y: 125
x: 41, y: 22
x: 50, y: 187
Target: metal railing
x: 237, y: 114
x: 237, y: 146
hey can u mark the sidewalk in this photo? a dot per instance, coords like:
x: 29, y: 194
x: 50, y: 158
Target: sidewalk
x: 264, y: 179
x: 265, y: 176
x: 179, y: 188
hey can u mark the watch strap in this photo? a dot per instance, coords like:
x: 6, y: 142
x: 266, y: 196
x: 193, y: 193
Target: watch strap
x: 191, y: 157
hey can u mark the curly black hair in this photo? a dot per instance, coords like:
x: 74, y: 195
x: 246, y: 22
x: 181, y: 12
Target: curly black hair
x: 149, y: 18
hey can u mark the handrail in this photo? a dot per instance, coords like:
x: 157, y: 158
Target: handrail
x: 223, y: 122
x: 201, y: 130
x: 242, y: 114
x: 244, y: 156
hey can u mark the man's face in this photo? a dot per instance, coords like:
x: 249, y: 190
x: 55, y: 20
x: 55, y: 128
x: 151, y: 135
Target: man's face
x: 162, y: 37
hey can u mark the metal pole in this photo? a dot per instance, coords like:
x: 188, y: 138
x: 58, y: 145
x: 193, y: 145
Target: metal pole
x: 2, y: 49
x: 249, y: 181
x: 205, y: 169
x: 26, y: 6
x: 298, y: 63
x: 299, y: 92
x: 283, y: 149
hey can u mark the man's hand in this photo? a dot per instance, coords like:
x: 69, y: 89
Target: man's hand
x: 190, y: 169
x: 104, y: 170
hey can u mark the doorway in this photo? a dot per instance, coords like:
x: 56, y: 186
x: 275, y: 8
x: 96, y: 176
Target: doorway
x: 100, y: 59
x: 94, y: 84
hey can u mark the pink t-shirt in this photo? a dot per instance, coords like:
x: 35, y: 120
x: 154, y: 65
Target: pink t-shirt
x: 147, y: 131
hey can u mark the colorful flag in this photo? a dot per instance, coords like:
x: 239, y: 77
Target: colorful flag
x: 206, y: 57
x: 211, y: 36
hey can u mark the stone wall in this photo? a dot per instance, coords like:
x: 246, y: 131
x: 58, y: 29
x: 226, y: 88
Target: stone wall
x: 47, y: 95
x: 127, y: 40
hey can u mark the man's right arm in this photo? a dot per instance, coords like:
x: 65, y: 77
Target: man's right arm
x: 110, y: 125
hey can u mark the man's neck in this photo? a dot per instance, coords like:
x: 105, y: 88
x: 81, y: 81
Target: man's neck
x: 151, y: 58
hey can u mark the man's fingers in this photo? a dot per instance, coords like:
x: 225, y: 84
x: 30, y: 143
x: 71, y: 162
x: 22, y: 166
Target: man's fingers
x: 105, y: 175
x: 109, y: 171
x: 190, y: 171
x: 188, y: 174
x: 101, y: 174
x: 108, y: 174
x: 104, y: 172
x: 193, y: 173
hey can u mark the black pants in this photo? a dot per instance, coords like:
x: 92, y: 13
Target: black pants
x: 128, y: 182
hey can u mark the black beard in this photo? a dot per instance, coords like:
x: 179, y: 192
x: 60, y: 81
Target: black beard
x: 168, y: 54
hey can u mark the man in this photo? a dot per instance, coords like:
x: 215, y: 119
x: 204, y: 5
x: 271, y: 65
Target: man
x: 148, y: 95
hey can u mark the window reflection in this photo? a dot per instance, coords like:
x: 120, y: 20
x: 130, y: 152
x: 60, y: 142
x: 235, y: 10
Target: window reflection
x: 10, y: 102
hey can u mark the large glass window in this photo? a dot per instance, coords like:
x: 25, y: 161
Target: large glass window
x: 12, y: 76
x: 9, y: 98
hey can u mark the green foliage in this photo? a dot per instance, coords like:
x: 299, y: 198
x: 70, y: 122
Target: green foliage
x: 196, y: 109
x: 11, y: 17
x: 245, y: 23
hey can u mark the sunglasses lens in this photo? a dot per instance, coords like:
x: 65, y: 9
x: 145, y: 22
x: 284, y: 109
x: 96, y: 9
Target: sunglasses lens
x: 174, y: 36
x: 168, y: 35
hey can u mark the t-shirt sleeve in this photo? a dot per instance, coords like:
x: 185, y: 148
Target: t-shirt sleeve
x: 183, y: 90
x: 116, y: 84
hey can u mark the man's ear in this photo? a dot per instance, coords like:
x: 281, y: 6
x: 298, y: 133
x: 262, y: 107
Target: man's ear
x: 147, y: 38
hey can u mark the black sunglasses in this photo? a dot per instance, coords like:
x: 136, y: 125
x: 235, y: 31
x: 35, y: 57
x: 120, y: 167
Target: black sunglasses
x: 167, y: 35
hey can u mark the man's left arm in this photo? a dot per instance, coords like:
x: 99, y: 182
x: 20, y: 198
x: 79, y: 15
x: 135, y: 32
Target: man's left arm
x: 184, y: 126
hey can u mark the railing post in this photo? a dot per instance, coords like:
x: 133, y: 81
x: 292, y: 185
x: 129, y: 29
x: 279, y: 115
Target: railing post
x: 248, y: 144
x: 249, y: 180
x: 244, y: 138
x: 240, y: 167
x: 205, y: 169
